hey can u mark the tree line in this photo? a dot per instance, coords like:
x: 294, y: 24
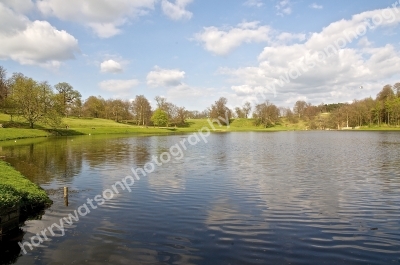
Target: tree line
x: 384, y: 109
x: 39, y: 102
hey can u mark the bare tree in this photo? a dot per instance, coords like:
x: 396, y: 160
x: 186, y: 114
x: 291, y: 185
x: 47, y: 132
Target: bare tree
x: 246, y: 109
x: 299, y: 107
x: 396, y: 87
x: 3, y: 85
x: 239, y: 112
x: 182, y: 115
x: 142, y: 110
x: 161, y: 102
x: 266, y: 114
x: 220, y: 111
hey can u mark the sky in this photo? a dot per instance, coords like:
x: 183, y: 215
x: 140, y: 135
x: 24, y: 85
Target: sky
x: 195, y: 51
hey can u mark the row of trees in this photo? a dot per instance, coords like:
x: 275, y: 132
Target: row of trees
x: 35, y: 101
x: 40, y: 102
x: 139, y: 111
x: 384, y: 109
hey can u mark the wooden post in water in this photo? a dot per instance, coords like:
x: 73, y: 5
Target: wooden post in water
x: 66, y: 196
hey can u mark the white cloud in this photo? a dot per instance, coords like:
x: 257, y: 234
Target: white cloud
x: 195, y: 97
x: 286, y: 37
x: 33, y: 42
x: 19, y: 6
x: 165, y: 77
x: 176, y: 11
x: 256, y: 3
x: 336, y: 78
x: 120, y: 87
x: 104, y: 17
x: 222, y: 42
x: 316, y: 6
x: 110, y: 66
x: 364, y: 42
x: 284, y: 7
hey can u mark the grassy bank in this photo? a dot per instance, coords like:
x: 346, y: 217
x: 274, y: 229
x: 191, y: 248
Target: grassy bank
x: 93, y: 126
x: 383, y: 127
x: 13, y: 133
x: 16, y: 190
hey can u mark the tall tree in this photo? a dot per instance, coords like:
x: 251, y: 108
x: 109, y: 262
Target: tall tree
x: 239, y: 112
x: 246, y: 109
x: 119, y: 109
x: 142, y: 110
x: 3, y: 86
x: 299, y: 108
x: 68, y: 96
x: 77, y: 108
x: 396, y: 88
x: 94, y: 107
x: 182, y: 115
x: 266, y: 114
x: 220, y: 111
x: 385, y: 94
x: 161, y: 102
x: 34, y: 101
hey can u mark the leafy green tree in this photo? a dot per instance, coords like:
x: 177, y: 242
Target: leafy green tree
x: 159, y: 118
x: 34, y: 101
x: 77, y: 108
x: 385, y: 94
x: 67, y: 96
x: 94, y: 107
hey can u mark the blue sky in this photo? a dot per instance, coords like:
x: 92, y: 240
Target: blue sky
x: 192, y: 52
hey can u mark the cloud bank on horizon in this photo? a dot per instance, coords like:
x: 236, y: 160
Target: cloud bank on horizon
x: 194, y: 52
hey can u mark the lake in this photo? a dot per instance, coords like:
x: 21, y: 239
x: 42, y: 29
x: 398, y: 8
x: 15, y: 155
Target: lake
x: 241, y: 198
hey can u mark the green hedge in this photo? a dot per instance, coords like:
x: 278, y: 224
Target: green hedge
x: 9, y: 197
x: 16, y: 190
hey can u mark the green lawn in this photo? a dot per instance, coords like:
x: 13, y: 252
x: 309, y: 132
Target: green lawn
x: 16, y: 190
x: 93, y: 126
x: 20, y: 132
x: 12, y: 133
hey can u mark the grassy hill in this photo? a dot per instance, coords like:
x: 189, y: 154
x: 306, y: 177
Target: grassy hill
x: 93, y: 126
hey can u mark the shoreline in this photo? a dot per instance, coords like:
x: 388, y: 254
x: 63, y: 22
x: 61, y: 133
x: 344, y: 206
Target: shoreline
x: 16, y: 191
x: 9, y: 134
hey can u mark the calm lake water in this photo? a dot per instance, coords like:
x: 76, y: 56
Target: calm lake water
x: 241, y: 198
